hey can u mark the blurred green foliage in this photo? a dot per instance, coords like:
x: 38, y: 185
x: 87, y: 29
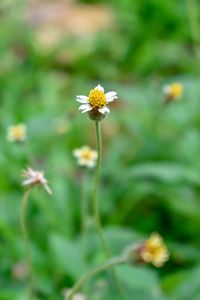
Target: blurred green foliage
x: 151, y: 167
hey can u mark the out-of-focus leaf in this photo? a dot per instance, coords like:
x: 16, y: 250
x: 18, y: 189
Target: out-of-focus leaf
x: 67, y: 257
x: 166, y: 172
x: 133, y: 278
x: 184, y: 285
x: 119, y: 238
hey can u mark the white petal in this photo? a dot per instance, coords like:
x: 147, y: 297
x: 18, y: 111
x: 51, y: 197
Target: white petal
x: 85, y: 148
x: 82, y: 162
x: 99, y: 88
x: 87, y: 109
x: 47, y: 189
x: 84, y: 106
x: 77, y: 153
x: 91, y: 163
x: 82, y: 99
x: 104, y: 110
x: 166, y: 89
x: 27, y: 182
x: 110, y: 96
x: 94, y: 155
x: 86, y: 162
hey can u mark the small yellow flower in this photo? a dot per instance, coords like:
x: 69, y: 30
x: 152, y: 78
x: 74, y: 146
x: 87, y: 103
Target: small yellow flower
x: 97, y: 100
x: 86, y: 156
x: 16, y: 133
x: 173, y: 91
x: 33, y: 178
x: 154, y: 251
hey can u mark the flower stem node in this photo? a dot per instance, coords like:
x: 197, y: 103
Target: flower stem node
x: 95, y: 115
x: 96, y: 102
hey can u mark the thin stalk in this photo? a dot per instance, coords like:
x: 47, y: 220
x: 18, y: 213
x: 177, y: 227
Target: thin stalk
x: 96, y: 206
x: 95, y: 195
x: 83, y: 280
x: 25, y: 235
x: 84, y: 212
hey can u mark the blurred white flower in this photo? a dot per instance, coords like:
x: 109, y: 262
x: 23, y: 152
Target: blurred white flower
x: 16, y: 133
x: 96, y: 100
x: 86, y: 156
x: 172, y: 91
x: 33, y: 177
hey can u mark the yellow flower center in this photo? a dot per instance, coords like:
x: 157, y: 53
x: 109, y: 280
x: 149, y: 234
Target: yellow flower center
x: 176, y: 90
x: 17, y: 133
x: 86, y: 154
x: 97, y: 98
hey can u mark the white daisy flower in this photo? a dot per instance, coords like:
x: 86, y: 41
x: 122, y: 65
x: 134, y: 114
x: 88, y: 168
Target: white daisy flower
x: 86, y: 156
x: 96, y: 100
x: 173, y: 91
x: 33, y: 177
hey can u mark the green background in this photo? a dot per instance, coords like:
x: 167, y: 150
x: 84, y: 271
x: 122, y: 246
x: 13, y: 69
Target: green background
x: 151, y: 165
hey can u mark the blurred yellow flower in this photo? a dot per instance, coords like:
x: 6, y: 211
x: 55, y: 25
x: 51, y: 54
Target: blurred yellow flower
x: 154, y: 251
x: 16, y: 133
x: 173, y: 91
x: 86, y: 156
x: 97, y: 100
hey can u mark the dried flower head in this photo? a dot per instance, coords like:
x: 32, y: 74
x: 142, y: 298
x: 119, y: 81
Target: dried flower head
x: 16, y: 133
x: 96, y: 102
x: 33, y: 178
x: 154, y: 251
x: 173, y: 91
x: 86, y: 156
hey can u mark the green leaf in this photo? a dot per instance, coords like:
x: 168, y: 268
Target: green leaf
x: 66, y: 256
x: 142, y: 281
x: 166, y: 172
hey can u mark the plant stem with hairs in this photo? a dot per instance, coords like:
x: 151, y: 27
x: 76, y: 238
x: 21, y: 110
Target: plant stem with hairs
x: 84, y: 279
x: 25, y: 235
x: 84, y: 213
x: 96, y: 207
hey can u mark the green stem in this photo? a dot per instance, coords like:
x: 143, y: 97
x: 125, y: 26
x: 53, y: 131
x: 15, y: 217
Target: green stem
x: 90, y: 274
x: 95, y: 195
x: 84, y: 213
x: 25, y: 235
x: 194, y: 26
x: 96, y: 206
